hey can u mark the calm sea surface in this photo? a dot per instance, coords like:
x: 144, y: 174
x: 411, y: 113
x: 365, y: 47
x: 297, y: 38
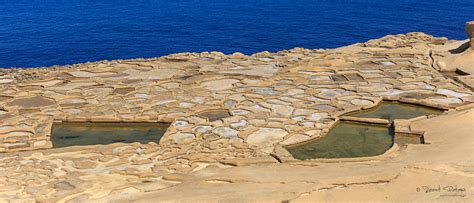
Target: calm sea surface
x: 37, y: 33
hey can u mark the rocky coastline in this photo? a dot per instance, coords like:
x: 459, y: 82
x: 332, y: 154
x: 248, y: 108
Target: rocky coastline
x: 231, y: 116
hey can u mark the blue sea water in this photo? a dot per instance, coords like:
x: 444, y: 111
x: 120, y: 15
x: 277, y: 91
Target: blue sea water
x: 37, y: 33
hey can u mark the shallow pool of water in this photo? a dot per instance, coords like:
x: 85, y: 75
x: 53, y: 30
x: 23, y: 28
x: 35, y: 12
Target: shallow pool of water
x: 72, y: 134
x: 396, y: 110
x: 347, y: 140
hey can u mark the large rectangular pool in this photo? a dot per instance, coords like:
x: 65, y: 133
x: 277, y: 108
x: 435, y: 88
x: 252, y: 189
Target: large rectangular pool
x: 75, y: 134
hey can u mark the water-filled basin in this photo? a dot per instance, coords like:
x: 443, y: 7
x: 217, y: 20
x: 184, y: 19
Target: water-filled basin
x: 396, y: 110
x: 345, y: 140
x: 72, y: 134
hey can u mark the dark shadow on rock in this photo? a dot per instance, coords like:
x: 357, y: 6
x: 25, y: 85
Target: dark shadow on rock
x: 460, y: 49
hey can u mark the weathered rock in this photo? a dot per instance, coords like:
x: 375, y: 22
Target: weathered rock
x: 217, y: 85
x: 279, y: 110
x: 274, y: 98
x: 295, y: 139
x: 451, y: 93
x: 202, y: 129
x: 318, y: 116
x: 87, y: 74
x: 124, y: 90
x: 179, y: 124
x: 362, y: 102
x: 32, y: 102
x: 182, y: 137
x: 4, y: 80
x: 238, y: 125
x: 64, y: 185
x: 266, y: 135
x: 214, y: 115
x: 155, y: 74
x: 84, y: 164
x: 470, y: 32
x: 248, y: 161
x: 226, y: 132
x: 257, y: 70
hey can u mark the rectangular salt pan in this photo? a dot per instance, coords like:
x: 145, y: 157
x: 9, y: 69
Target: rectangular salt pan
x: 77, y: 134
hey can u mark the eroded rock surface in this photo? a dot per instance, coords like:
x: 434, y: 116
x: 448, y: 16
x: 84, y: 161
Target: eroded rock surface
x: 272, y: 99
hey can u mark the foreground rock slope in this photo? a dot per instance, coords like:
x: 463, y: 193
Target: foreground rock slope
x: 272, y: 100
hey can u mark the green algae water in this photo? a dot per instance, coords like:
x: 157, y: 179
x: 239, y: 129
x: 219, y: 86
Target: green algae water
x: 396, y: 110
x: 346, y: 140
x: 76, y: 134
x: 350, y: 139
